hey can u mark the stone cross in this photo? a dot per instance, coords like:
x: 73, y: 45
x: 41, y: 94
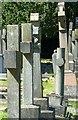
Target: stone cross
x: 28, y: 110
x: 26, y: 49
x: 63, y: 31
x: 34, y: 18
x: 59, y: 85
x: 12, y: 61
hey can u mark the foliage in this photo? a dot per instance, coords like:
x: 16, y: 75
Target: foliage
x: 17, y: 13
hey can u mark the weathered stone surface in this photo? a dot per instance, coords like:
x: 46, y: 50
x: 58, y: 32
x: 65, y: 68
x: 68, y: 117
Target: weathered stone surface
x: 37, y: 76
x: 42, y: 102
x: 27, y: 79
x: 54, y: 100
x: 30, y: 112
x: 1, y: 63
x: 12, y: 59
x: 26, y: 32
x: 62, y: 31
x: 12, y: 37
x: 59, y: 84
x: 76, y: 34
x: 13, y: 76
x: 47, y: 114
x: 60, y: 62
x: 26, y: 47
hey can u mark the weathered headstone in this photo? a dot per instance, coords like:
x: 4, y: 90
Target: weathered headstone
x: 12, y: 62
x: 28, y: 110
x: 63, y: 31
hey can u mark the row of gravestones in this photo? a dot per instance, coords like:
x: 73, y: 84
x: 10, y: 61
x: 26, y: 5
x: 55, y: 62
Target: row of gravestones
x: 24, y: 54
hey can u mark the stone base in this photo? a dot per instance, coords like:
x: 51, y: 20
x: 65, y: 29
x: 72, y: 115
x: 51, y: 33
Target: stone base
x: 47, y: 115
x: 42, y: 102
x: 30, y: 112
x: 58, y: 102
x: 60, y: 110
x: 55, y: 100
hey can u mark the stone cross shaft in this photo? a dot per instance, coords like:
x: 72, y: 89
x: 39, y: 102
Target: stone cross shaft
x: 12, y: 61
x: 63, y: 31
x: 34, y: 18
x: 26, y: 47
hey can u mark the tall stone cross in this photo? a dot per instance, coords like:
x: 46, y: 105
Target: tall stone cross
x: 34, y: 18
x: 28, y: 109
x: 63, y: 31
x: 27, y: 51
x: 12, y: 61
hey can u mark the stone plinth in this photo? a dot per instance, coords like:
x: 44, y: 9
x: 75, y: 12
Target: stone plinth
x: 30, y: 112
x: 43, y: 102
x: 55, y: 100
x: 47, y: 115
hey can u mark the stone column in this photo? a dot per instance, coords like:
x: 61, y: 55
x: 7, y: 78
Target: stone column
x: 28, y: 109
x: 59, y: 88
x: 63, y: 31
x: 12, y: 61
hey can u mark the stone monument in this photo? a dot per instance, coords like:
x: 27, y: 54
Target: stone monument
x: 63, y: 31
x: 28, y: 110
x: 37, y: 79
x: 12, y: 61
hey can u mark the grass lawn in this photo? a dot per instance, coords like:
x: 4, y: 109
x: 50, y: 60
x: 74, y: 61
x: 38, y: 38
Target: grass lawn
x: 3, y: 115
x: 48, y: 87
x: 3, y: 82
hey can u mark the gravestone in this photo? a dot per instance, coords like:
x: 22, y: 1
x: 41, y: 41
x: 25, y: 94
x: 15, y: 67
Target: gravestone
x: 34, y: 18
x: 12, y: 61
x: 28, y: 110
x: 37, y: 82
x: 63, y: 31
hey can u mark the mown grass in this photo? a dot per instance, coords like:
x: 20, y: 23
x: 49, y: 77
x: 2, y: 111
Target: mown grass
x: 48, y: 87
x: 3, y: 82
x: 3, y: 115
